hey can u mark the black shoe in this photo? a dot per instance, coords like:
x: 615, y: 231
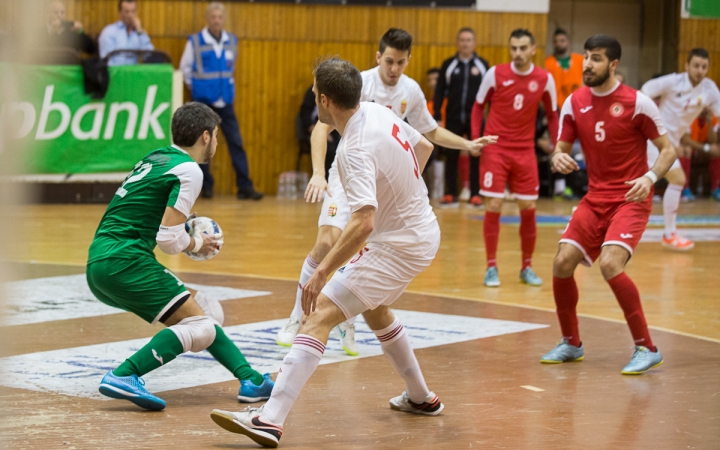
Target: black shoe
x: 207, y: 193
x: 250, y: 194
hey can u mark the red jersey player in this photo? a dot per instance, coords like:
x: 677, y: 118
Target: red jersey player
x: 613, y: 123
x: 514, y: 91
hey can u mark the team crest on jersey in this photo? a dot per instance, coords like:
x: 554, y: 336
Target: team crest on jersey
x: 533, y: 86
x: 332, y: 210
x: 403, y: 106
x: 475, y: 71
x: 617, y: 109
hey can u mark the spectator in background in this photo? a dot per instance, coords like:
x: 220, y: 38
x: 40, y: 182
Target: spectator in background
x: 566, y: 68
x: 60, y: 32
x: 620, y: 76
x: 434, y: 173
x: 701, y: 139
x: 208, y: 67
x: 458, y: 83
x: 309, y: 117
x: 125, y: 34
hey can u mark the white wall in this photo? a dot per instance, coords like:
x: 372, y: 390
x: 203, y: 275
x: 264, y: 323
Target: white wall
x: 524, y: 6
x: 583, y: 19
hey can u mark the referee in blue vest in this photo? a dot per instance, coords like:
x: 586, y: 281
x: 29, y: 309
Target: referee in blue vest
x: 208, y: 66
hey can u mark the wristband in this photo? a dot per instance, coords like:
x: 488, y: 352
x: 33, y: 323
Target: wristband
x: 706, y: 148
x: 198, y: 244
x: 652, y: 175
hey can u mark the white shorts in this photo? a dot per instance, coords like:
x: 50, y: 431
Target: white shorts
x: 653, y: 153
x: 335, y: 209
x: 379, y: 274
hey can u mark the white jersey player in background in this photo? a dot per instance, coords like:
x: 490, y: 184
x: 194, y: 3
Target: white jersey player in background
x: 681, y: 98
x: 391, y: 237
x: 387, y: 86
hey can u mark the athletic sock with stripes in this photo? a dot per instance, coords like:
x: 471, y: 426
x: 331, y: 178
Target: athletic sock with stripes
x: 297, y: 367
x: 395, y: 344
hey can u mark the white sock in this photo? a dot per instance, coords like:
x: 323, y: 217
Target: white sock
x: 396, y: 346
x: 308, y: 268
x: 671, y: 202
x: 297, y: 367
x: 559, y: 185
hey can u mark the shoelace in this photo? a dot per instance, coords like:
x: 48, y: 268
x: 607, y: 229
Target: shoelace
x: 251, y: 409
x: 290, y: 325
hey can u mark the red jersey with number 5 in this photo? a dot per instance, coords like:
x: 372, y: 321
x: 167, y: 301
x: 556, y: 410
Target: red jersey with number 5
x: 613, y: 129
x: 514, y: 98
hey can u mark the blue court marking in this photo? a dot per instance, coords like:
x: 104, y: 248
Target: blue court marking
x: 655, y: 220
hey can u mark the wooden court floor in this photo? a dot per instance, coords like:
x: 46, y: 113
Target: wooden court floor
x: 496, y: 392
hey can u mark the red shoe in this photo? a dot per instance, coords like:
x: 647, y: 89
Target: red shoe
x: 476, y: 202
x: 676, y: 242
x: 449, y: 201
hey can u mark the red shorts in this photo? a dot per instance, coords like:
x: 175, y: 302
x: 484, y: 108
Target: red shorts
x: 500, y: 166
x: 598, y: 222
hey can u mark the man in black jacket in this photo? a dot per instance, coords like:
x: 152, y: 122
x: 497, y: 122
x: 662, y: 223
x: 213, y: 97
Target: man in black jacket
x: 459, y: 81
x: 60, y: 32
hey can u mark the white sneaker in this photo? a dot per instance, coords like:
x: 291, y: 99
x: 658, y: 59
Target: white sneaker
x: 347, y: 339
x: 286, y: 336
x: 430, y: 407
x: 251, y: 423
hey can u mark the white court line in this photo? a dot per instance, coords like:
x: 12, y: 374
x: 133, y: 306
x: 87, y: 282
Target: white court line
x: 78, y: 371
x: 68, y: 297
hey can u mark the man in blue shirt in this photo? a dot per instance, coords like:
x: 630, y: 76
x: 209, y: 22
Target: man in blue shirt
x: 208, y: 66
x: 125, y: 34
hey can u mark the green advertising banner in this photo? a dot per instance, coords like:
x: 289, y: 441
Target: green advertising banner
x: 709, y: 9
x: 63, y: 130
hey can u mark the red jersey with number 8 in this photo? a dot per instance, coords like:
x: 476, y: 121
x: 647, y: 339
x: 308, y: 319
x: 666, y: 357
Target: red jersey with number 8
x: 514, y: 98
x: 613, y: 129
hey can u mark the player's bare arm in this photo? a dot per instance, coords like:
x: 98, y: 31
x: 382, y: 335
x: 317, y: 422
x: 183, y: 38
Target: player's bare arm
x: 444, y: 138
x: 351, y: 241
x: 642, y: 186
x: 172, y: 235
x: 561, y: 160
x: 318, y: 145
x: 423, y: 150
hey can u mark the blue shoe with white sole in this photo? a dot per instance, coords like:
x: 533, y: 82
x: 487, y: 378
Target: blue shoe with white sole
x: 528, y: 276
x: 491, y: 277
x: 130, y: 388
x: 251, y: 392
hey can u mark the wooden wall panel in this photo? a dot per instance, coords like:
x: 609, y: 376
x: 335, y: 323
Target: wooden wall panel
x: 278, y: 44
x: 703, y: 33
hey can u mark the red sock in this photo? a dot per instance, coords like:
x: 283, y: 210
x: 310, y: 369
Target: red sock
x: 685, y: 164
x: 528, y: 235
x: 464, y: 170
x: 491, y: 231
x: 714, y: 173
x: 566, y: 299
x: 629, y: 299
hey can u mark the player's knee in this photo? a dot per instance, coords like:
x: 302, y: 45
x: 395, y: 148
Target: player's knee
x: 563, y: 266
x: 676, y: 176
x: 610, y: 266
x: 494, y: 204
x: 212, y: 307
x: 195, y: 333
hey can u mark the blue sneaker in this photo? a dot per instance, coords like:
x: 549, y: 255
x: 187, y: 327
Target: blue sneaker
x: 715, y: 195
x: 642, y: 361
x: 529, y: 277
x: 563, y: 352
x: 251, y: 392
x: 130, y: 388
x: 687, y: 195
x: 491, y: 277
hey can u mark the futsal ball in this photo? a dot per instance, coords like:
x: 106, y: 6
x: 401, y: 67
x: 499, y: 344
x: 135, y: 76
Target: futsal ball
x: 198, y: 226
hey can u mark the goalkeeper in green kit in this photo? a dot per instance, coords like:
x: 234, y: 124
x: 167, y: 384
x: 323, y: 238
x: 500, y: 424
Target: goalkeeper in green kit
x: 151, y: 208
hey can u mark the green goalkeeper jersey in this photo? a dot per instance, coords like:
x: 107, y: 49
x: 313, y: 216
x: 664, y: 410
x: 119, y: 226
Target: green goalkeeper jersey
x: 165, y: 177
